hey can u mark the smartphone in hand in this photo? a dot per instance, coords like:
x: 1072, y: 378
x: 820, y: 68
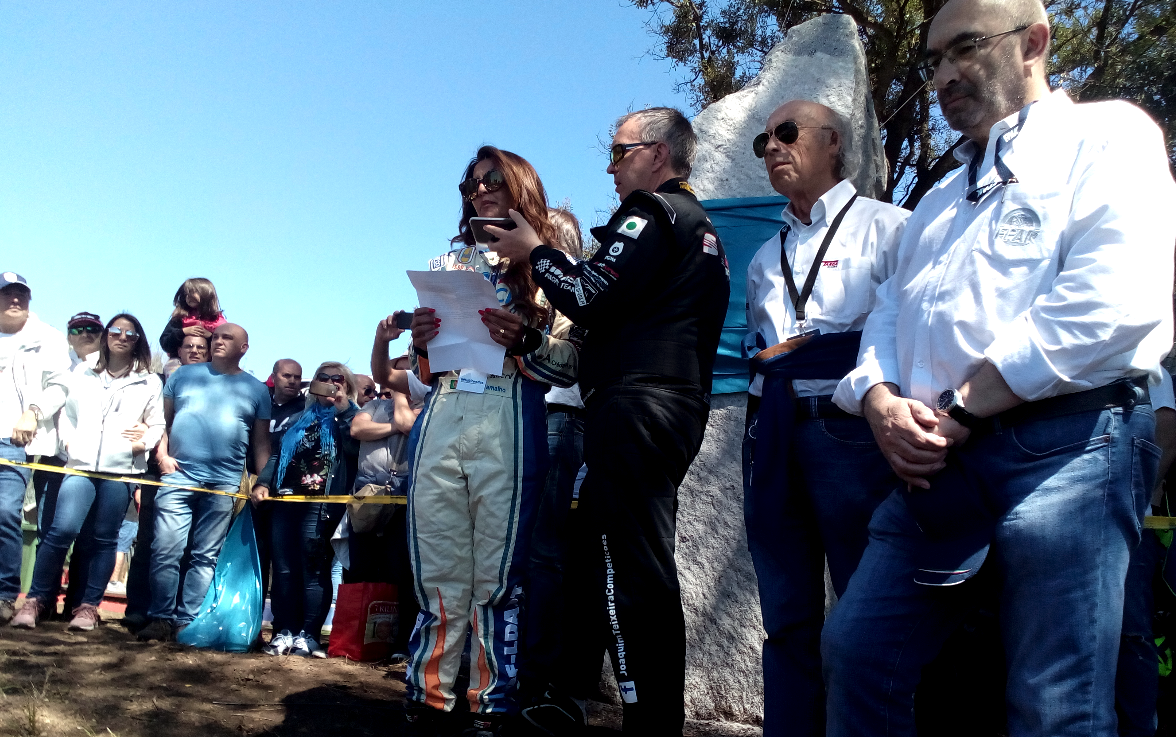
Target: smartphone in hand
x: 323, y: 389
x: 478, y: 228
x: 404, y: 320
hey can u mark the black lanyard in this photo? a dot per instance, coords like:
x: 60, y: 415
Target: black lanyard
x: 799, y: 300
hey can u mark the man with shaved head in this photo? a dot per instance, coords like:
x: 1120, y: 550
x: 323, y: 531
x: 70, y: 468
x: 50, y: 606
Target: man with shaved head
x: 1006, y: 372
x: 818, y: 475
x: 215, y: 412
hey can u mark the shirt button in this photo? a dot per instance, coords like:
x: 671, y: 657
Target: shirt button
x: 926, y: 306
x: 920, y: 364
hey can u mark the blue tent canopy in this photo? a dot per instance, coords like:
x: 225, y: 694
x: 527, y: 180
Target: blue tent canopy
x: 743, y: 224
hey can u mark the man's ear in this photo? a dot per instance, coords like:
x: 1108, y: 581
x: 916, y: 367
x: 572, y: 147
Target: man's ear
x: 244, y: 347
x: 1036, y: 43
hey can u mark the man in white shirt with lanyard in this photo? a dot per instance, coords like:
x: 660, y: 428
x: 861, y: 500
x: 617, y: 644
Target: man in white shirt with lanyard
x: 1005, y: 372
x: 818, y: 474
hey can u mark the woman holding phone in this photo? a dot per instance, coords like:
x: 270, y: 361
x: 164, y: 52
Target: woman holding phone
x: 478, y: 462
x: 317, y: 457
x: 112, y: 418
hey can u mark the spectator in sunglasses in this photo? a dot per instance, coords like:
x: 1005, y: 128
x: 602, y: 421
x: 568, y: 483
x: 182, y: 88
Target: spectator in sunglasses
x: 99, y: 430
x: 84, y: 333
x: 34, y: 366
x: 365, y: 389
x: 316, y: 457
x: 479, y: 464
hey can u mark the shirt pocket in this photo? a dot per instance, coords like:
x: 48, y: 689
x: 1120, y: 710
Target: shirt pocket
x: 849, y: 288
x: 1026, y: 229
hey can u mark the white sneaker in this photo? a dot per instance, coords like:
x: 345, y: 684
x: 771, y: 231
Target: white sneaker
x: 307, y: 647
x: 279, y: 644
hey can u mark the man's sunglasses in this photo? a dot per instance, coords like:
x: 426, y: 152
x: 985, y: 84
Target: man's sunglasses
x: 330, y: 377
x: 619, y: 150
x: 90, y: 329
x: 786, y: 133
x: 115, y: 332
x: 491, y: 180
x: 386, y: 394
x: 369, y: 391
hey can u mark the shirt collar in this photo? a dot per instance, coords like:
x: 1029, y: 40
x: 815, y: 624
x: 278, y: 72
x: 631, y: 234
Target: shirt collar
x: 830, y: 202
x: 1009, y: 128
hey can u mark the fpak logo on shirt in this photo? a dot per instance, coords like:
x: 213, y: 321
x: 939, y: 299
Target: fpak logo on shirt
x: 632, y: 226
x: 1021, y: 227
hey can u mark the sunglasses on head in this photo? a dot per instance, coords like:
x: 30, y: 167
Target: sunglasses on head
x: 618, y: 151
x: 90, y: 329
x: 337, y: 378
x: 115, y: 332
x: 491, y: 180
x: 786, y: 133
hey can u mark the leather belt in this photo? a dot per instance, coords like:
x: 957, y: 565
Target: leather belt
x: 1122, y: 393
x: 820, y: 408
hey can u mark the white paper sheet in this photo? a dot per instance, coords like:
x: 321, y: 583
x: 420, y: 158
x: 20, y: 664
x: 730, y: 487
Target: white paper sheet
x: 462, y: 340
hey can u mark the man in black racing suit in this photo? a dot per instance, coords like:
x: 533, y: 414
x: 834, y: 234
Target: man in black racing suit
x: 652, y: 299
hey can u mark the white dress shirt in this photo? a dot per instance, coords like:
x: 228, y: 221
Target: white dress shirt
x: 862, y: 255
x: 1062, y: 278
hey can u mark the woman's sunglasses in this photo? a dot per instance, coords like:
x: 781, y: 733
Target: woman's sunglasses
x: 115, y: 332
x: 491, y: 180
x: 786, y: 133
x: 89, y: 329
x: 337, y: 378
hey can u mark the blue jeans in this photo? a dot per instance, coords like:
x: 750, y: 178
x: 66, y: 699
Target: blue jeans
x: 548, y: 631
x: 300, y: 549
x: 837, y: 476
x: 95, y: 506
x: 12, y: 492
x: 1068, y: 496
x: 1137, y: 684
x: 139, y: 574
x: 177, y: 511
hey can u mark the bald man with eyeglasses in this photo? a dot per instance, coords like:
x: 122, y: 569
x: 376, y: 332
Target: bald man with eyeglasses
x: 1006, y: 372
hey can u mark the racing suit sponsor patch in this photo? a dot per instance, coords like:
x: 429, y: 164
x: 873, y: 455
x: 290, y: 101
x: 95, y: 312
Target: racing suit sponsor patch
x: 628, y: 692
x: 616, y: 248
x: 710, y: 244
x: 632, y: 226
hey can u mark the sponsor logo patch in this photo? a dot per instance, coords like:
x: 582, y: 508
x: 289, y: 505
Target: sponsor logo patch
x: 616, y: 248
x: 831, y: 264
x: 632, y: 226
x: 1021, y: 227
x: 710, y: 244
x: 628, y: 692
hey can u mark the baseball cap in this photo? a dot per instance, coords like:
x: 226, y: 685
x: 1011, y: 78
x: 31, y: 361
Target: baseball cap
x: 8, y: 278
x: 957, y: 524
x: 84, y: 318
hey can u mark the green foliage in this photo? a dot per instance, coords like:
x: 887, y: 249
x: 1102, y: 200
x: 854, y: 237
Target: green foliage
x: 1103, y: 49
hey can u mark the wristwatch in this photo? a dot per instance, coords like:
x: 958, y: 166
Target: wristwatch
x: 36, y: 412
x: 952, y: 404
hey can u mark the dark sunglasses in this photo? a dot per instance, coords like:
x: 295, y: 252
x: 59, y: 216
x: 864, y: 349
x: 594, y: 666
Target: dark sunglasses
x: 491, y: 180
x: 337, y: 378
x: 786, y: 133
x: 369, y: 391
x: 386, y: 394
x: 619, y: 150
x: 115, y: 332
x: 92, y: 330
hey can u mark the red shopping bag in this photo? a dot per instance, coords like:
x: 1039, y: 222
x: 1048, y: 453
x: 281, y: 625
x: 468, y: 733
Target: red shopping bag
x: 365, y: 621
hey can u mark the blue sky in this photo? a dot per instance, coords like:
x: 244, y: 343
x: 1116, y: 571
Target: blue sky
x: 301, y: 155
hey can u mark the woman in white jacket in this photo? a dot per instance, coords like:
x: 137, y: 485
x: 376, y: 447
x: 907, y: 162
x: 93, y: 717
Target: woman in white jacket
x: 97, y: 429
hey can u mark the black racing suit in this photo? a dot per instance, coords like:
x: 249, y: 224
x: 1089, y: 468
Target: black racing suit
x: 652, y: 299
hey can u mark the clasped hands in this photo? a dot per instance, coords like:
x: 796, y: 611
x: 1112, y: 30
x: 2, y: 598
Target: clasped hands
x: 914, y: 438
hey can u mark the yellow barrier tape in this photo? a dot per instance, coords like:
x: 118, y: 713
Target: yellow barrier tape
x: 237, y: 495
x: 1159, y: 523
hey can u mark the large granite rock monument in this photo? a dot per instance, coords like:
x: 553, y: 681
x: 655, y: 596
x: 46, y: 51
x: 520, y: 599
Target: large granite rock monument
x: 822, y: 61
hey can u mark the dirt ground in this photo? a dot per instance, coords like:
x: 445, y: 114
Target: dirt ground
x: 54, y: 682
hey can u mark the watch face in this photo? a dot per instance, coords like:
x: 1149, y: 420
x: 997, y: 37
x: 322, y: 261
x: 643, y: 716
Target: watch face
x: 947, y: 400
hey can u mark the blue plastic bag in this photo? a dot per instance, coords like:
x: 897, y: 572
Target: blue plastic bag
x: 230, y: 617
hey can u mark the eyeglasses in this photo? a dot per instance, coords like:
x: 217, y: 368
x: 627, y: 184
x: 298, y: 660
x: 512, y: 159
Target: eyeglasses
x: 337, y: 378
x: 959, y: 51
x: 619, y: 150
x: 115, y: 332
x: 786, y: 133
x: 386, y: 394
x: 369, y: 391
x: 89, y: 329
x: 491, y: 180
